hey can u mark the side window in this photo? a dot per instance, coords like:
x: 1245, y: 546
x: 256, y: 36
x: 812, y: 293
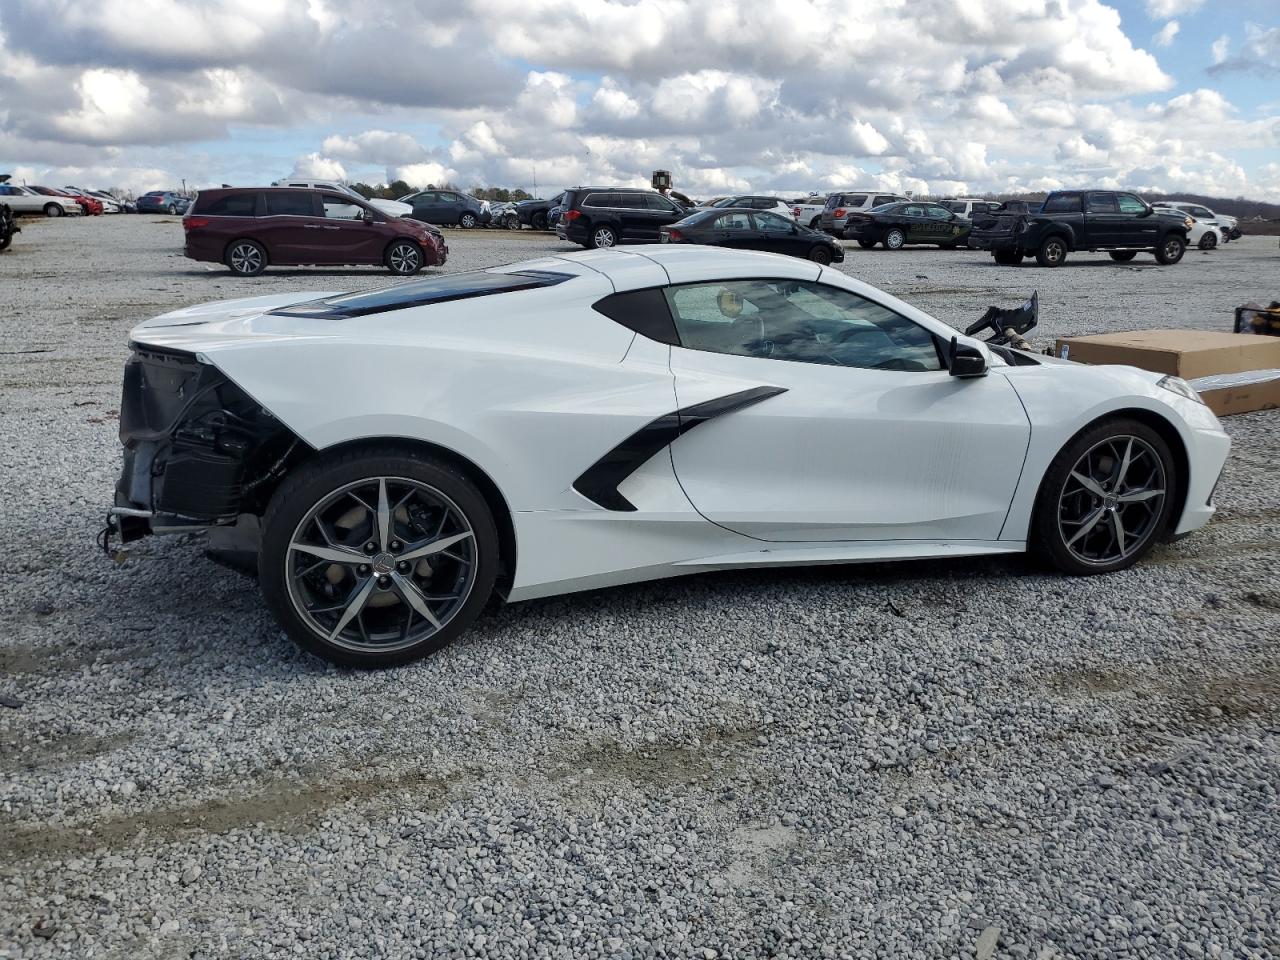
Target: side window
x: 423, y: 198
x: 448, y: 197
x: 1130, y: 204
x: 772, y: 221
x: 341, y: 208
x: 644, y: 311
x: 630, y: 201
x: 937, y: 213
x: 733, y: 221
x: 1063, y: 203
x: 5, y: 190
x: 601, y: 200
x: 1202, y: 212
x: 802, y: 322
x: 289, y: 203
x: 855, y: 200
x: 1102, y: 203
x: 885, y: 199
x: 233, y: 205
x: 655, y: 202
x: 912, y: 210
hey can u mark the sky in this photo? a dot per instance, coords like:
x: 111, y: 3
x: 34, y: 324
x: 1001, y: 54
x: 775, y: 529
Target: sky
x: 947, y: 97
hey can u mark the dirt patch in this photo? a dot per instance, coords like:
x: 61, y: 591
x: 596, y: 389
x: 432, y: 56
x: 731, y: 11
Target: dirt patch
x: 282, y: 805
x: 658, y: 765
x: 18, y: 753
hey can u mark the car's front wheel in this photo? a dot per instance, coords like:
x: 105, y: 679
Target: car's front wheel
x: 52, y: 210
x: 539, y: 221
x: 1052, y: 253
x: 1170, y: 250
x: 246, y: 258
x: 1209, y: 240
x: 603, y: 238
x: 404, y: 258
x: 1123, y: 256
x: 171, y: 209
x: 820, y: 254
x: 377, y: 557
x: 1105, y: 499
x: 468, y: 221
x: 511, y: 222
x: 894, y: 239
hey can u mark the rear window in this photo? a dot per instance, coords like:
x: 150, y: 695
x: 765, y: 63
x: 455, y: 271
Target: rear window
x: 600, y: 200
x: 418, y: 293
x: 231, y: 205
x: 290, y: 203
x: 853, y: 199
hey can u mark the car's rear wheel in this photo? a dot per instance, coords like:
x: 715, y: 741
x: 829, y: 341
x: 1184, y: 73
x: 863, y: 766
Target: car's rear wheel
x: 1007, y: 258
x: 171, y: 209
x: 1052, y: 253
x: 1208, y: 241
x: 53, y: 210
x: 1105, y: 499
x: 816, y: 223
x: 468, y: 221
x: 404, y: 258
x: 866, y: 244
x: 246, y: 258
x: 1123, y: 256
x: 894, y: 239
x: 1170, y: 250
x: 820, y: 254
x: 377, y: 557
x: 603, y: 237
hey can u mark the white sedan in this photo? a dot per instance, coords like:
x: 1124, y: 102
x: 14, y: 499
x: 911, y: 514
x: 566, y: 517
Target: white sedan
x: 391, y: 459
x: 24, y: 200
x: 1201, y: 234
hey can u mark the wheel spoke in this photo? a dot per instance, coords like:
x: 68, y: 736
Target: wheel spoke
x: 1138, y: 496
x: 1117, y: 528
x: 434, y: 546
x: 331, y: 554
x: 411, y: 595
x: 1122, y: 469
x: 1088, y: 483
x: 354, y: 606
x: 384, y: 515
x: 1086, y: 525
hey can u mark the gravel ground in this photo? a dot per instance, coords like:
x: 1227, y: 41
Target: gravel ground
x: 968, y: 759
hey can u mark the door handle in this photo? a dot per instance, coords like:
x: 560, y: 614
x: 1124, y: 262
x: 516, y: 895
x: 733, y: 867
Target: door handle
x: 311, y: 226
x: 331, y: 228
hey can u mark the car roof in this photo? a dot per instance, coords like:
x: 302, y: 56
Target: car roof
x: 632, y: 268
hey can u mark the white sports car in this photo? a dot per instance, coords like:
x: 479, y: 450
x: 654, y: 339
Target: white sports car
x: 391, y: 459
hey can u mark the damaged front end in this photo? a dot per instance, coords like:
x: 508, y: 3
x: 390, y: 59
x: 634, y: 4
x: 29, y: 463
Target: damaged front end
x: 199, y: 452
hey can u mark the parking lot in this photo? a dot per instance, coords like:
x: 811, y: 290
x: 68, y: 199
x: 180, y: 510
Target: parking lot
x: 944, y: 759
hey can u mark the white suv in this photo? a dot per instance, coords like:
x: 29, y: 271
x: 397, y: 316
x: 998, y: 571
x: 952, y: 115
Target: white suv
x: 967, y: 206
x: 1202, y: 214
x: 839, y: 205
x: 392, y: 208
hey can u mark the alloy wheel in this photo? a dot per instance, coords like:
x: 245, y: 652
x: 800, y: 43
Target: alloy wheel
x: 1112, y: 500
x: 1054, y: 251
x: 246, y: 258
x: 894, y: 240
x: 604, y: 237
x: 380, y: 565
x: 405, y: 258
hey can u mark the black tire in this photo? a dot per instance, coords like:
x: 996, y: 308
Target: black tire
x: 1052, y: 253
x: 602, y: 237
x: 539, y: 221
x: 314, y: 483
x: 819, y: 253
x: 171, y: 210
x: 894, y: 239
x: 1123, y: 256
x: 5, y: 241
x: 468, y: 221
x: 816, y: 223
x: 1208, y: 241
x: 1007, y: 258
x: 1061, y: 493
x: 246, y: 258
x: 511, y: 222
x: 53, y: 210
x: 403, y: 258
x: 1170, y: 250
x: 866, y: 244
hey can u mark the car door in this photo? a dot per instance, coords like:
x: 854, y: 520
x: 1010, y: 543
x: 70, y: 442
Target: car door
x: 635, y: 221
x: 347, y: 238
x: 661, y: 212
x: 1137, y: 226
x: 290, y: 228
x: 780, y: 234
x: 911, y: 218
x: 735, y: 231
x: 19, y: 199
x: 1104, y: 225
x: 843, y: 423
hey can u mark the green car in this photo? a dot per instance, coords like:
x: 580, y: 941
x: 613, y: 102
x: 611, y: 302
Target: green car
x: 897, y: 225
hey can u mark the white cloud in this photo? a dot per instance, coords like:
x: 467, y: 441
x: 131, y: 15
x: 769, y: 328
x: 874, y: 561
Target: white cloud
x: 1220, y: 48
x: 1164, y: 37
x: 315, y: 167
x: 1164, y: 9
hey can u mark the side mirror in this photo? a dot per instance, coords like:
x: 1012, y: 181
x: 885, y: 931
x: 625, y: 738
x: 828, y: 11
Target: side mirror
x: 367, y: 217
x: 966, y: 359
x: 1148, y: 211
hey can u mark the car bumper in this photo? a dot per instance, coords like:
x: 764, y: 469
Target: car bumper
x: 1207, y: 449
x: 862, y: 230
x: 992, y: 242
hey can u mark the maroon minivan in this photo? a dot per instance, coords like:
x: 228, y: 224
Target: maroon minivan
x: 251, y: 228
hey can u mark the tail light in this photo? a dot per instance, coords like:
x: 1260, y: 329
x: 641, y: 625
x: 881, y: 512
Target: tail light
x: 840, y: 212
x: 795, y: 212
x: 676, y: 236
x: 194, y: 223
x: 571, y: 215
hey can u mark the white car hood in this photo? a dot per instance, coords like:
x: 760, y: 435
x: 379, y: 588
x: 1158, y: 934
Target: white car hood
x: 392, y: 208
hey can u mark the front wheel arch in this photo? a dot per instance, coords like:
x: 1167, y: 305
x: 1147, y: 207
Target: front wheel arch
x: 1168, y: 433
x: 497, y: 503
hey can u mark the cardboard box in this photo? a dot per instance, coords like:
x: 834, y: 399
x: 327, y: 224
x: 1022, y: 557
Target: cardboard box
x: 1184, y: 353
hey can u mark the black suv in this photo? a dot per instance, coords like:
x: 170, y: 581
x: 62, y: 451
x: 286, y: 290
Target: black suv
x: 1121, y: 223
x: 606, y: 216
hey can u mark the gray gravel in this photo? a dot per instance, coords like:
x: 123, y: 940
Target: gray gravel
x: 968, y: 759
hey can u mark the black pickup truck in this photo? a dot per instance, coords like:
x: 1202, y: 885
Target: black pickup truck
x: 1123, y: 224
